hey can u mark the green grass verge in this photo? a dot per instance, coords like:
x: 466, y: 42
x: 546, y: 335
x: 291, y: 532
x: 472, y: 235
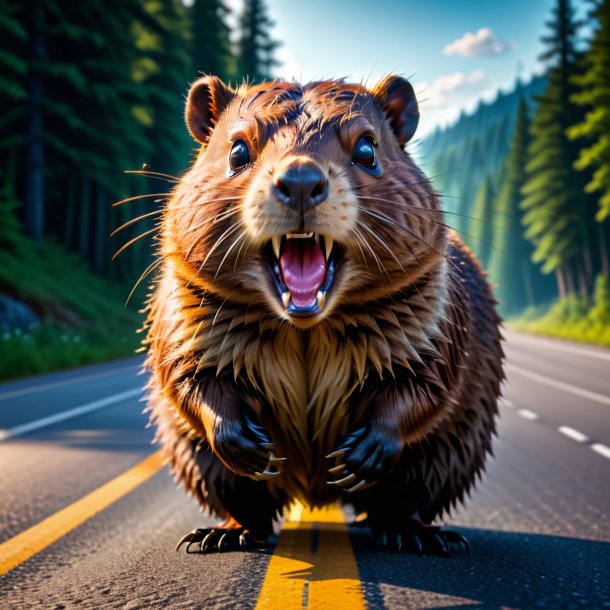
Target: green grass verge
x: 574, y: 318
x: 84, y: 316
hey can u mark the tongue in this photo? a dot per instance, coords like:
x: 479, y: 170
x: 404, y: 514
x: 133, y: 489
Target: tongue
x: 303, y: 268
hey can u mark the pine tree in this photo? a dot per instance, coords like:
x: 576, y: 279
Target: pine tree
x: 480, y: 231
x: 212, y: 53
x: 519, y: 282
x: 593, y: 95
x: 255, y: 48
x: 556, y: 208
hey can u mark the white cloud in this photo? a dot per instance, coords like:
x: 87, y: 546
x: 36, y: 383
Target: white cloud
x: 449, y: 89
x: 441, y: 101
x: 482, y: 44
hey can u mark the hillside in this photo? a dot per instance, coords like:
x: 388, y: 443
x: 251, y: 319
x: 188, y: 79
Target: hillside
x: 461, y: 155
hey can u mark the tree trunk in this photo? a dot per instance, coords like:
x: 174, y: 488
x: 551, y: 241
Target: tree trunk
x: 100, y: 232
x: 583, y: 284
x: 561, y: 286
x: 527, y: 280
x: 84, y: 227
x: 71, y: 205
x: 603, y: 250
x: 569, y: 279
x: 34, y: 155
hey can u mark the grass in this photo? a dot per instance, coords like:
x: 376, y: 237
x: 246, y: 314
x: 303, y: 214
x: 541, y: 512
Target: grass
x: 574, y: 318
x: 84, y: 319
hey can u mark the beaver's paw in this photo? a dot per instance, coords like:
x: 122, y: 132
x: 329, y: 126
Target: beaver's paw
x: 244, y: 447
x: 219, y: 539
x: 366, y: 455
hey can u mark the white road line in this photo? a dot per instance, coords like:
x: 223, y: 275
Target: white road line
x: 527, y: 414
x: 566, y: 387
x: 601, y: 449
x: 7, y: 433
x: 575, y: 435
x: 574, y: 349
x: 64, y: 382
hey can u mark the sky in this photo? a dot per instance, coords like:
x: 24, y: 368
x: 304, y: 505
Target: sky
x: 455, y: 52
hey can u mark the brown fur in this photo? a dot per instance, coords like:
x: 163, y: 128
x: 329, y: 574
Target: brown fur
x: 408, y: 341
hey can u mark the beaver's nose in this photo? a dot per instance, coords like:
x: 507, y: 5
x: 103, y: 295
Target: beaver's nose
x: 301, y: 186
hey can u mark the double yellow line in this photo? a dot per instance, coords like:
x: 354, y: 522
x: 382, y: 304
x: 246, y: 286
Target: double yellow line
x: 313, y: 565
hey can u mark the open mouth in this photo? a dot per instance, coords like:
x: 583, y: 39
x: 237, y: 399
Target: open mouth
x: 302, y: 268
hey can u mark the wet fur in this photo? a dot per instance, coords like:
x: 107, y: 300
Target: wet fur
x: 408, y: 343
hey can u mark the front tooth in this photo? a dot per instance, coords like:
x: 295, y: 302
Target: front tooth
x: 321, y: 299
x: 286, y: 299
x: 276, y: 242
x: 328, y: 245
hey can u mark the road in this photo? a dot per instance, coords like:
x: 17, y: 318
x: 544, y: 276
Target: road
x: 537, y: 522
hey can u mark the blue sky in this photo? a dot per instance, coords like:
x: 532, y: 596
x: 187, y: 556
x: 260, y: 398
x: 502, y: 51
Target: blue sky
x: 425, y: 39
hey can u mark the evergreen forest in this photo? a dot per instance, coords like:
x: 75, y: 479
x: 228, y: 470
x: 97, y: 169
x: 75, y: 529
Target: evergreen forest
x: 90, y: 93
x: 525, y: 181
x: 91, y: 105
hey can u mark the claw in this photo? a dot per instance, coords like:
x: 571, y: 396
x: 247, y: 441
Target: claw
x: 266, y: 474
x: 399, y: 542
x: 443, y: 545
x: 382, y: 541
x: 454, y: 537
x: 336, y: 469
x: 348, y: 480
x: 242, y: 541
x: 418, y: 545
x: 356, y: 487
x: 204, y: 543
x: 274, y: 458
x: 189, y: 538
x: 222, y: 539
x: 335, y: 454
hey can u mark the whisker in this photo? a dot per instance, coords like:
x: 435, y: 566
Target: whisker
x: 202, y: 237
x: 206, y: 222
x: 381, y: 242
x: 132, y: 241
x: 382, y: 268
x: 394, y: 223
x: 134, y: 220
x: 415, y: 211
x: 147, y: 271
x: 147, y: 173
x: 164, y: 195
x: 224, y: 258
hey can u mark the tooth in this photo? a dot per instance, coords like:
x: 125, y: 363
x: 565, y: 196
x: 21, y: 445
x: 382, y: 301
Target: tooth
x: 321, y: 299
x: 286, y: 299
x: 328, y: 245
x: 276, y: 242
x: 317, y: 238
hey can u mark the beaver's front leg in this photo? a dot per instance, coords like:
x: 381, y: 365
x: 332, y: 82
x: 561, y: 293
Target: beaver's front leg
x: 366, y: 455
x: 226, y: 464
x: 231, y: 427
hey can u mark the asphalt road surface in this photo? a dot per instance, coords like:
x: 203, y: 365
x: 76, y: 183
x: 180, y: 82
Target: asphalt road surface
x: 537, y: 522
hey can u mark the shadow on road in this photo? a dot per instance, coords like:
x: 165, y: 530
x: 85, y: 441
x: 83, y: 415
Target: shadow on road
x: 505, y: 570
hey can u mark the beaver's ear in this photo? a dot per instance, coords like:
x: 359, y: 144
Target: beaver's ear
x: 397, y: 98
x: 207, y: 99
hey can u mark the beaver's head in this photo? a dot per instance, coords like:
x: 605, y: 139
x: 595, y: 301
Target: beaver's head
x: 303, y: 197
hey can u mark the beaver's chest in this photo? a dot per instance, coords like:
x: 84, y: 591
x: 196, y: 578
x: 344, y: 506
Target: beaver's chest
x: 307, y: 393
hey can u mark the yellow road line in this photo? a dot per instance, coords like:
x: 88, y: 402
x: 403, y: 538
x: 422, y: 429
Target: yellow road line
x: 23, y: 546
x: 313, y: 565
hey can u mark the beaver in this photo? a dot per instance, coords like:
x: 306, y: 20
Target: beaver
x: 316, y: 332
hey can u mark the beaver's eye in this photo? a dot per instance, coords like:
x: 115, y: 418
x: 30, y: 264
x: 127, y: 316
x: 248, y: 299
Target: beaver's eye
x: 364, y: 153
x: 239, y: 156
